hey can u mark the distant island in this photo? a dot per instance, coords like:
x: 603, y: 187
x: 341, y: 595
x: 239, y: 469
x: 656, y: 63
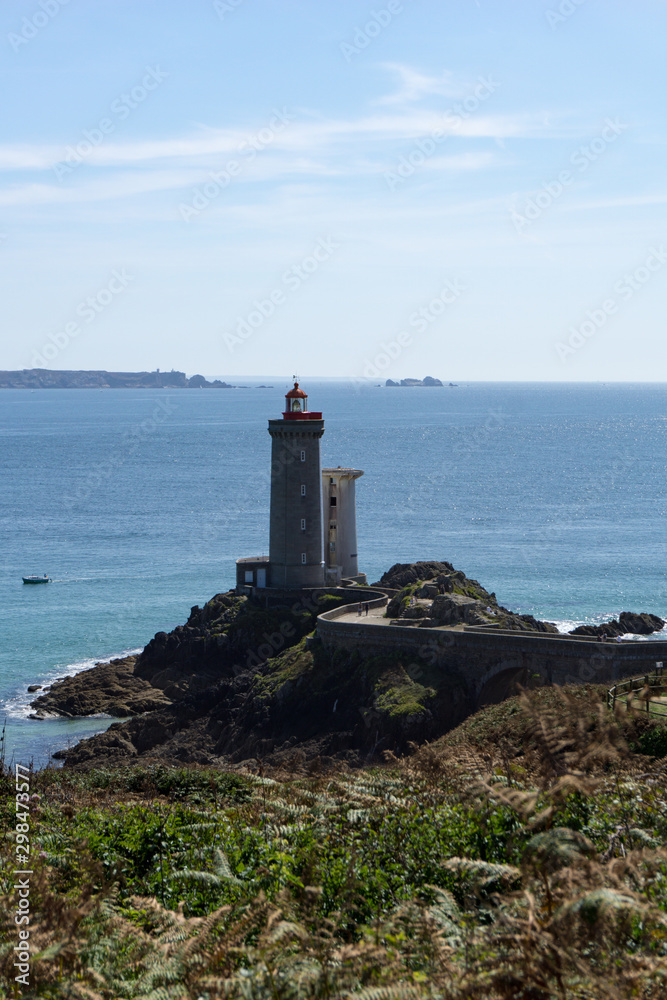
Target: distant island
x: 428, y: 381
x: 43, y: 378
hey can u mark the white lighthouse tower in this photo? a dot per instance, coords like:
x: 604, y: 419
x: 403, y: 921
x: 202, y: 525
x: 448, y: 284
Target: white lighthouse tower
x: 339, y: 526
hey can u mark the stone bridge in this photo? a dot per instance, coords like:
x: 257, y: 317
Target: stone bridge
x: 489, y: 659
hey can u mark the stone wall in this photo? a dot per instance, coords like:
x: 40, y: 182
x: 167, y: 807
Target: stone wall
x: 484, y: 657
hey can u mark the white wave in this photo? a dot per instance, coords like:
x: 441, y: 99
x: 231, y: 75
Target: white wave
x: 567, y: 626
x: 17, y: 704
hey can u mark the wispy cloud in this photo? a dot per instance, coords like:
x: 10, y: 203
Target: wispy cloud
x: 414, y: 86
x: 322, y: 136
x: 308, y: 149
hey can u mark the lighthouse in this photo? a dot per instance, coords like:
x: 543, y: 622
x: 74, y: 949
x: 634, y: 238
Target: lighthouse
x: 295, y: 531
x: 300, y: 522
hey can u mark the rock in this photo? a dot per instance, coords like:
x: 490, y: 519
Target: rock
x: 526, y: 623
x: 440, y: 579
x: 420, y: 609
x: 453, y: 609
x: 34, y: 687
x: 640, y: 624
x: 403, y: 574
x: 106, y: 689
x: 411, y: 382
x: 628, y: 622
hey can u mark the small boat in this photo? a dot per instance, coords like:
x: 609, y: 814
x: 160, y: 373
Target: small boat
x: 36, y: 579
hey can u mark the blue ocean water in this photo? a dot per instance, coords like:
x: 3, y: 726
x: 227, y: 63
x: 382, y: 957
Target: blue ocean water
x: 137, y: 502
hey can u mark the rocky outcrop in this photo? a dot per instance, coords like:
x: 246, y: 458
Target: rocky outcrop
x: 428, y: 381
x: 628, y: 623
x: 106, y: 689
x: 452, y: 609
x: 451, y: 599
x: 404, y: 574
x: 226, y: 638
x: 240, y: 682
x: 298, y: 706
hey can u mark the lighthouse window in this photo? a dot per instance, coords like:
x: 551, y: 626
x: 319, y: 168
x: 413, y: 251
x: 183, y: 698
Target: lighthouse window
x: 303, y: 489
x: 303, y: 558
x: 303, y: 456
x: 303, y: 524
x: 332, y: 546
x: 332, y: 501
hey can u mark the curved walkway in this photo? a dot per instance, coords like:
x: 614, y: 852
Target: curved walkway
x: 482, y: 653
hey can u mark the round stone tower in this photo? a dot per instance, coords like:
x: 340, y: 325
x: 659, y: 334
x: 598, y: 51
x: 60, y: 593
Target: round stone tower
x: 295, y: 533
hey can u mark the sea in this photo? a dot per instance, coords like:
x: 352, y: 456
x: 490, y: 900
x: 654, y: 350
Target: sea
x: 137, y: 502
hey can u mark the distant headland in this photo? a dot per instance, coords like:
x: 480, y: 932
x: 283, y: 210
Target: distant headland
x: 43, y: 378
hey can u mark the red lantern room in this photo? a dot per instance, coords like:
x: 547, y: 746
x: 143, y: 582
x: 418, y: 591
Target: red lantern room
x: 296, y: 406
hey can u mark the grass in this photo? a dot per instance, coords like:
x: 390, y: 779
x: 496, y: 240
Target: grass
x: 520, y: 857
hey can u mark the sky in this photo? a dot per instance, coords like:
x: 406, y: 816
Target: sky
x: 470, y: 189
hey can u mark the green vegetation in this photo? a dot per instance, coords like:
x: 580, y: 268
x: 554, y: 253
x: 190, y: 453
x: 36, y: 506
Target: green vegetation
x: 397, y: 687
x: 295, y: 663
x: 254, y: 626
x: 400, y: 601
x: 394, y: 685
x: 653, y: 741
x: 521, y: 857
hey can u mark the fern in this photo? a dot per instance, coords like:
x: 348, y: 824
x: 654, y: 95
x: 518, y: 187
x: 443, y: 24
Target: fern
x: 397, y: 992
x: 558, y: 848
x: 220, y: 875
x: 483, y: 873
x: 605, y: 903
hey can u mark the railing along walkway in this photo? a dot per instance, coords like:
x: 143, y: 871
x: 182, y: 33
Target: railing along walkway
x: 648, y: 686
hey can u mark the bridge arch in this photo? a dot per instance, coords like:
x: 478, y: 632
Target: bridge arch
x: 501, y: 680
